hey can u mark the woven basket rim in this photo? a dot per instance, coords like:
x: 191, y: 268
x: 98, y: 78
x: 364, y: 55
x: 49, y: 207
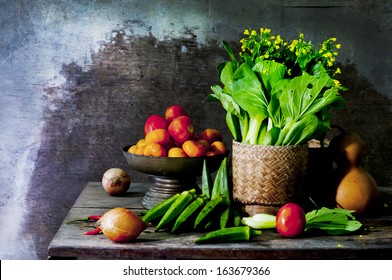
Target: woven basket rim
x: 269, y: 146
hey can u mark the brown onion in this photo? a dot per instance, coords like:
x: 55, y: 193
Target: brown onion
x: 121, y: 225
x: 116, y: 181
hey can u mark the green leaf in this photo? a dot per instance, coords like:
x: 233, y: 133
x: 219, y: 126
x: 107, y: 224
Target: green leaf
x: 330, y: 97
x: 227, y: 76
x: 333, y: 221
x: 270, y: 72
x: 230, y: 52
x: 248, y: 92
x: 226, y: 100
x: 301, y: 130
x: 271, y: 136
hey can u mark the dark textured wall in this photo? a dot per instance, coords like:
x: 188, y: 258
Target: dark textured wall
x: 78, y: 79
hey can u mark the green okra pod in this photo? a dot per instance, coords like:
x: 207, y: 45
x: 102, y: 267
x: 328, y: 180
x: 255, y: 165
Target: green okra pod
x: 189, y: 211
x: 225, y: 217
x: 206, y: 180
x: 212, y: 206
x: 231, y: 234
x: 237, y: 218
x: 185, y: 198
x: 160, y: 209
x: 211, y: 224
x: 221, y: 185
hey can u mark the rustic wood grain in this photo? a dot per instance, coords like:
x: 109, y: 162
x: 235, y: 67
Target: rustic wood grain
x: 375, y: 242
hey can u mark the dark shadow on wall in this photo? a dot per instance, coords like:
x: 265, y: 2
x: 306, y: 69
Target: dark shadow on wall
x: 102, y: 107
x: 368, y: 113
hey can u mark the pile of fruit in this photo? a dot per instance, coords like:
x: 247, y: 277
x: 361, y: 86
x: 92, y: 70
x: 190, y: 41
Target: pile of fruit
x: 174, y: 135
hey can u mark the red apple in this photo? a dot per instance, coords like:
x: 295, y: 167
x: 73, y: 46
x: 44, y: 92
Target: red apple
x: 154, y: 122
x: 174, y: 111
x: 181, y: 129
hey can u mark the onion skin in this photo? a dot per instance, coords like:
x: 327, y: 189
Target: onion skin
x: 115, y: 181
x: 121, y: 225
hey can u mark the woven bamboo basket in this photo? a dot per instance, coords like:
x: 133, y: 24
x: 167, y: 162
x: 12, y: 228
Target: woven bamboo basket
x: 267, y: 176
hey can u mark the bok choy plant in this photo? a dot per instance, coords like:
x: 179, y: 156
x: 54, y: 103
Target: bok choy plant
x: 277, y: 93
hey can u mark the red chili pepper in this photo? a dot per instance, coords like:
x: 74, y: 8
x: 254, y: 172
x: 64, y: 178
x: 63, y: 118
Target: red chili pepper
x: 93, y: 232
x: 94, y: 218
x: 91, y: 218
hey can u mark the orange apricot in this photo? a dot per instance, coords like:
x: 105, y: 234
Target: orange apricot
x: 205, y: 144
x: 154, y: 149
x: 140, y: 150
x: 141, y: 142
x: 218, y: 147
x: 211, y: 135
x: 132, y: 149
x: 159, y: 136
x: 211, y: 154
x: 193, y: 148
x: 176, y: 152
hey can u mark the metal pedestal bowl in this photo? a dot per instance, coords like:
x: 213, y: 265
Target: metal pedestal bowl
x: 170, y: 175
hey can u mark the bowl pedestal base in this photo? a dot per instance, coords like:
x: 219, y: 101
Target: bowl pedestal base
x: 163, y: 188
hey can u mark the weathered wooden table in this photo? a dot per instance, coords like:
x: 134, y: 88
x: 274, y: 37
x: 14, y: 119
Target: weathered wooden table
x: 70, y: 243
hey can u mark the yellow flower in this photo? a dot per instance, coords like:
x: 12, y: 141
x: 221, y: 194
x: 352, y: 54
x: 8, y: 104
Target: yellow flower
x: 338, y: 46
x: 278, y: 39
x: 253, y: 33
x: 246, y: 32
x: 267, y: 31
x: 337, y: 83
x: 338, y: 71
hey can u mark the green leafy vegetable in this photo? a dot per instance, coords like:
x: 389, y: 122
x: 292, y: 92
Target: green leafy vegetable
x: 333, y: 221
x: 278, y: 93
